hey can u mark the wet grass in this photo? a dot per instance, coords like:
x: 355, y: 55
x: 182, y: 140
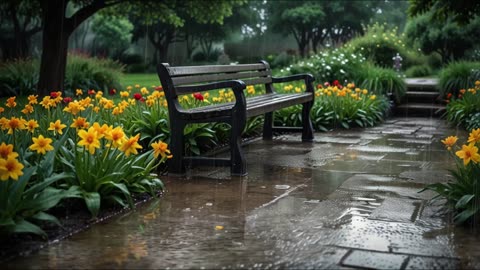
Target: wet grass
x: 142, y: 79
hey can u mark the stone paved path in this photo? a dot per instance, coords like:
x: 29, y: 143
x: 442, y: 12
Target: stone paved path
x: 348, y: 200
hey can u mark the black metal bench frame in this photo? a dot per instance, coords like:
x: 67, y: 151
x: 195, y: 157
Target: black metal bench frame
x: 190, y: 79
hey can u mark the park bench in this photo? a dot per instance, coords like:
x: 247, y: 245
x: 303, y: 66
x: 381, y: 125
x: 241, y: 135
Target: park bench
x: 184, y: 80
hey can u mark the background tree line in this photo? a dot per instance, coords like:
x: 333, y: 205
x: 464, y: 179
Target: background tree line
x: 110, y: 27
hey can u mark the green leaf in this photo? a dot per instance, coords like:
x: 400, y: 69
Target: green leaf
x: 6, y: 222
x: 464, y: 215
x: 23, y: 226
x: 92, y: 200
x: 46, y: 217
x: 464, y: 200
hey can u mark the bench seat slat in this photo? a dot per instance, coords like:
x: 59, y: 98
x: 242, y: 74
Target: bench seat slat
x: 255, y: 106
x: 196, y: 70
x: 218, y: 77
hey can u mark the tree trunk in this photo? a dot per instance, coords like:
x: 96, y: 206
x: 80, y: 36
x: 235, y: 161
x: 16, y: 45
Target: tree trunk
x: 55, y: 46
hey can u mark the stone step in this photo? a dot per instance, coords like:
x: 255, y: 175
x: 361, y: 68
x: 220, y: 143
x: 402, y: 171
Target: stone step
x: 421, y: 97
x: 419, y: 109
x: 422, y: 84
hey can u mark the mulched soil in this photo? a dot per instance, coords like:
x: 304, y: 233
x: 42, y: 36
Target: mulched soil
x: 74, y: 218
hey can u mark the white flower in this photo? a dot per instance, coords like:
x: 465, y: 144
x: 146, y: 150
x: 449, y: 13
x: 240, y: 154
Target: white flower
x: 342, y: 71
x: 328, y: 67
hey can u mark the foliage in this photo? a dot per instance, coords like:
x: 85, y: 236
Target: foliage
x: 337, y: 106
x: 329, y: 65
x: 446, y: 37
x: 342, y: 65
x: 381, y: 81
x: 458, y: 75
x: 91, y: 73
x: 418, y: 71
x: 297, y: 18
x: 474, y: 121
x: 380, y: 44
x: 459, y: 10
x: 463, y: 193
x: 60, y: 148
x: 18, y: 77
x: 461, y: 109
x: 112, y: 33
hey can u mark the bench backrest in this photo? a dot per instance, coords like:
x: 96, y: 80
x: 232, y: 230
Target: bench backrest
x: 186, y: 79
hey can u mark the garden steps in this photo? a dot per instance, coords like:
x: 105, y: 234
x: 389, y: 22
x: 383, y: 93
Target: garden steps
x: 422, y: 99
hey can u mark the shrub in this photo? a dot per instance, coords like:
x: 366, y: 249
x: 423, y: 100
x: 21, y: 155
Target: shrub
x: 380, y: 44
x: 458, y: 75
x: 418, y: 71
x: 473, y: 122
x: 19, y: 77
x: 381, y: 81
x: 91, y: 73
x: 329, y: 65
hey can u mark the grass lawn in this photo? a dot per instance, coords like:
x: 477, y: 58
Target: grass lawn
x: 143, y: 79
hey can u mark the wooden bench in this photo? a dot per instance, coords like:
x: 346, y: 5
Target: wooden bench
x: 190, y: 79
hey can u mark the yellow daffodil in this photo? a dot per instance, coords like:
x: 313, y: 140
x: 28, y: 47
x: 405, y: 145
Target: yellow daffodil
x: 32, y: 99
x: 74, y: 107
x: 160, y: 148
x: 131, y: 145
x: 469, y: 153
x: 80, y: 123
x: 10, y: 168
x: 57, y: 127
x: 28, y: 109
x: 89, y: 139
x: 116, y: 136
x: 15, y: 124
x: 101, y: 130
x: 11, y: 102
x: 41, y: 145
x: 474, y: 136
x: 6, y: 151
x: 450, y: 141
x: 31, y: 125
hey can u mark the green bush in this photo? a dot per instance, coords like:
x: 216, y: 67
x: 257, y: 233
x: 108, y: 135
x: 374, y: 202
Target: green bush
x: 382, y: 81
x: 458, y: 75
x: 380, y: 44
x: 91, y: 73
x: 20, y: 77
x: 418, y: 71
x: 473, y: 122
x: 329, y: 65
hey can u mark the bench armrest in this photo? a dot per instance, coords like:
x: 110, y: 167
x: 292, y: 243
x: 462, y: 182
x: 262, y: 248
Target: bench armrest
x: 308, y: 78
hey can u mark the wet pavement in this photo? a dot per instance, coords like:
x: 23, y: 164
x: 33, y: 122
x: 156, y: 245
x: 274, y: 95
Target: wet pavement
x: 348, y: 200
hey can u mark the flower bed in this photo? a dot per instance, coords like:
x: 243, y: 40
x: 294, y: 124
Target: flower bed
x: 103, y: 150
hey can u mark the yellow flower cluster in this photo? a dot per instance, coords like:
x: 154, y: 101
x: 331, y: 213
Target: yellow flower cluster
x: 468, y: 152
x: 349, y: 91
x: 10, y: 167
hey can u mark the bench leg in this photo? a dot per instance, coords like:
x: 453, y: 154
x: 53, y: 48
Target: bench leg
x: 239, y: 165
x: 267, y: 126
x: 307, y: 133
x: 176, y: 164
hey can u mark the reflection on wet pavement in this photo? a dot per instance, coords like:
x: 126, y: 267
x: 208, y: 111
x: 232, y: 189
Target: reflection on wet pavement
x: 348, y: 200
